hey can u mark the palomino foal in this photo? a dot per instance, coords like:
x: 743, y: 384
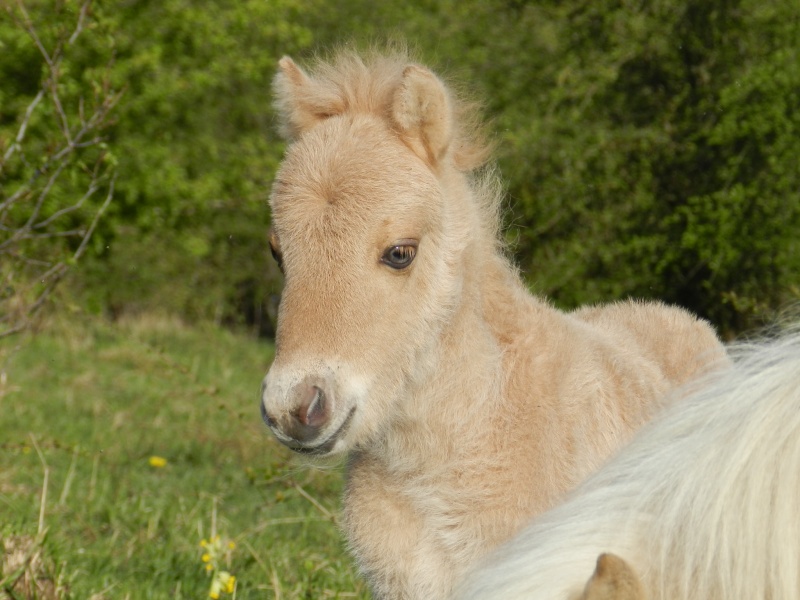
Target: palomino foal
x: 407, y: 340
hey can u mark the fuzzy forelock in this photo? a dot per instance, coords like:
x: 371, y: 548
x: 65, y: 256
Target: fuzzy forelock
x: 348, y: 81
x: 365, y: 82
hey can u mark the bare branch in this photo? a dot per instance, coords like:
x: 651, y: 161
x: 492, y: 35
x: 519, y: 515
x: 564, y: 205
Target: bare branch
x: 29, y: 27
x: 34, y: 219
x: 79, y: 26
x: 95, y: 121
x: 14, y: 329
x: 82, y: 248
x: 52, y: 83
x: 23, y: 190
x: 34, y: 262
x: 46, y: 236
x: 93, y: 187
x: 40, y: 200
x: 22, y: 128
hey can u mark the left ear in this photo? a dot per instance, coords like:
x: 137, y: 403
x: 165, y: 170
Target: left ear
x: 423, y: 114
x: 301, y: 101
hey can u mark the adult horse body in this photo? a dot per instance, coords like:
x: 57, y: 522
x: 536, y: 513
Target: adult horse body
x: 406, y: 338
x: 702, y: 504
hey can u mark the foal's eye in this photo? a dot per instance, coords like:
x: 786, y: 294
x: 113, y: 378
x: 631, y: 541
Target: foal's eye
x: 277, y: 256
x: 274, y: 249
x: 400, y: 255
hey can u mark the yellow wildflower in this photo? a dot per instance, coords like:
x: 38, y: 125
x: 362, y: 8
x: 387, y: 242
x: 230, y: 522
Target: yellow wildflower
x: 223, y: 582
x: 157, y: 462
x: 215, y: 551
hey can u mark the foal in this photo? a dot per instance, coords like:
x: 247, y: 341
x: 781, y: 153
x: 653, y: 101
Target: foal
x: 407, y: 340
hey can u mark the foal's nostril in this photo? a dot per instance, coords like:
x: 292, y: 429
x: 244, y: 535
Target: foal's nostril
x: 311, y: 414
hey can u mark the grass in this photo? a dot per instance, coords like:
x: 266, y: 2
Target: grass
x: 86, y: 405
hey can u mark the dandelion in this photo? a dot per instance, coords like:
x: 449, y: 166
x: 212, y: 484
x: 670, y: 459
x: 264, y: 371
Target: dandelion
x: 158, y: 462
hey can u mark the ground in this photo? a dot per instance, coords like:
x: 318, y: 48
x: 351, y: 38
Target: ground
x: 145, y: 438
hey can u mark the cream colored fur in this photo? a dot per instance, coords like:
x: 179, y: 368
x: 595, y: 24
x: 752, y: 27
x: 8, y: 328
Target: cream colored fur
x: 465, y: 404
x: 703, y: 504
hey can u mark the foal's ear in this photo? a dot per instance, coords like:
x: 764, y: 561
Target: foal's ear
x: 422, y: 112
x: 301, y: 102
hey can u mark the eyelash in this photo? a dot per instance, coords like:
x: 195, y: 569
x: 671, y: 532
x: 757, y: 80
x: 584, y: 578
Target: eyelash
x: 400, y: 255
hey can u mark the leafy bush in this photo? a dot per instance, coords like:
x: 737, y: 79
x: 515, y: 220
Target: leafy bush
x: 197, y: 151
x: 56, y: 173
x: 649, y: 149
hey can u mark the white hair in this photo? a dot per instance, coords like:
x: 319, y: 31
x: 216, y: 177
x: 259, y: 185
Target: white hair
x: 703, y: 503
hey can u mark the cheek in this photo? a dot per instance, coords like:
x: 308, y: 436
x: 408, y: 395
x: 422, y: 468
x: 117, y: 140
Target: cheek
x: 438, y: 289
x: 384, y: 323
x: 411, y: 322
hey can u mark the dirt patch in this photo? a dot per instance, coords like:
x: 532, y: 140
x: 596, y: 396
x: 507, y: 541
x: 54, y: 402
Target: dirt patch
x: 25, y: 572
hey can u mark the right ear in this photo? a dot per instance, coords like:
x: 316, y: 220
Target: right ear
x: 423, y: 114
x: 301, y: 101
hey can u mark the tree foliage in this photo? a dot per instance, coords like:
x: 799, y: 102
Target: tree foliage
x: 56, y: 174
x: 193, y: 142
x: 649, y: 148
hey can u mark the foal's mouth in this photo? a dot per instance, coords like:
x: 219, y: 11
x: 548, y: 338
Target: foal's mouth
x: 326, y: 446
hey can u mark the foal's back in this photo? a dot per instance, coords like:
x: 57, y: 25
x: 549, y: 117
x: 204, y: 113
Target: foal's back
x: 682, y: 345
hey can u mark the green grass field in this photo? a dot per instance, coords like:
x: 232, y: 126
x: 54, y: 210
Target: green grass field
x: 85, y: 405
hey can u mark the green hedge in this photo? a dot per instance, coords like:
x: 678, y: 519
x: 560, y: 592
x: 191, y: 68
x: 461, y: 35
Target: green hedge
x: 649, y: 149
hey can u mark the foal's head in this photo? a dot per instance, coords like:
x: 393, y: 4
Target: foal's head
x: 371, y: 221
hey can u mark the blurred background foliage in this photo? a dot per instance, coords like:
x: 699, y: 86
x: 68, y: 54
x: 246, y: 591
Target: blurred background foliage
x: 649, y: 149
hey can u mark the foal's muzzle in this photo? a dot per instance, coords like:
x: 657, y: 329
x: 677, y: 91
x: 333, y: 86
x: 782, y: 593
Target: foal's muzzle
x: 303, y: 424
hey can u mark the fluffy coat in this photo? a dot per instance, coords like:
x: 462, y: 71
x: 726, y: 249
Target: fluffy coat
x: 465, y: 404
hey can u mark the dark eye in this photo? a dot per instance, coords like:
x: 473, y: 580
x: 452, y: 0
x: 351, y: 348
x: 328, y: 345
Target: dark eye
x: 400, y: 255
x: 274, y: 249
x: 277, y: 256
